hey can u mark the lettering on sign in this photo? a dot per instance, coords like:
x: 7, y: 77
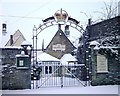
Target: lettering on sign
x: 102, y: 64
x: 58, y: 47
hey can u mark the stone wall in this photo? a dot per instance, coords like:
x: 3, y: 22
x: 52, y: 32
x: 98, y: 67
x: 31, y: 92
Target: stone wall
x: 13, y: 78
x: 112, y: 77
x: 104, y: 29
x: 107, y: 33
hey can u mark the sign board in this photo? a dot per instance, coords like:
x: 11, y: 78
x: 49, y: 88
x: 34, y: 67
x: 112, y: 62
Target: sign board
x: 102, y: 64
x: 58, y: 47
x: 23, y: 62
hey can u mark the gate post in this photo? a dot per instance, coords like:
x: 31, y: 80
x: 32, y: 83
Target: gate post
x: 61, y: 76
x: 23, y: 66
x: 23, y: 74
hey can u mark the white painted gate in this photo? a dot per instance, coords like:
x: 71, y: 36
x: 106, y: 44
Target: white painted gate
x: 60, y: 76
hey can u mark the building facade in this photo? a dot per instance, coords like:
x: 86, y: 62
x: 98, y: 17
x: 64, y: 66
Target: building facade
x: 59, y: 45
x: 13, y: 77
x: 102, y: 60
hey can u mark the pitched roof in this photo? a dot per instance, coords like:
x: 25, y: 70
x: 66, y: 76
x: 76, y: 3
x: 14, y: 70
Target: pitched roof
x: 60, y: 32
x: 60, y: 40
x: 18, y: 38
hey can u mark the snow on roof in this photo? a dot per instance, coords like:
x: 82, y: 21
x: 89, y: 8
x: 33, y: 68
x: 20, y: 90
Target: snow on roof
x: 21, y: 55
x: 26, y: 43
x: 67, y: 57
x: 94, y: 43
x: 46, y: 57
x: 110, y: 47
x: 13, y: 47
x: 5, y: 38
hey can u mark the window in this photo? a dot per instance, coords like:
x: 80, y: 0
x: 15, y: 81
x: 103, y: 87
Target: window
x: 48, y: 69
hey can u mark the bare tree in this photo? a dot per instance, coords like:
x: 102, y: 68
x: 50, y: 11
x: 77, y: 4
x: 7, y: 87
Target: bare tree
x: 108, y: 11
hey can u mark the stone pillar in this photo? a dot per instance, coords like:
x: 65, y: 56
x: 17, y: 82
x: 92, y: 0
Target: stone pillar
x: 19, y: 76
x: 23, y: 72
x: 15, y: 69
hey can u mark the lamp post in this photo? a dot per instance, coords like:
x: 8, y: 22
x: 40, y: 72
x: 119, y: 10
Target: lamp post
x: 35, y: 45
x: 27, y: 47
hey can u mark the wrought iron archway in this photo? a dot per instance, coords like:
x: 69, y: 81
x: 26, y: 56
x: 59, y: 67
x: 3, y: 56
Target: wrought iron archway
x: 60, y: 18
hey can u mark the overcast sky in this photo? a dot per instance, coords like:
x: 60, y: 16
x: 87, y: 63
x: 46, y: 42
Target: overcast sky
x: 24, y: 14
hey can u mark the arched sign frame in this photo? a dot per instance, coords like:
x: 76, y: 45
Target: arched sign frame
x: 63, y: 19
x: 52, y: 23
x: 60, y: 18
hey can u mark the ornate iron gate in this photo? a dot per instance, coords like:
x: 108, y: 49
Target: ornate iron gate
x: 57, y: 75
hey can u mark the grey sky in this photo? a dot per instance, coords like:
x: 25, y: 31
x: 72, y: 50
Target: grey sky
x: 23, y: 15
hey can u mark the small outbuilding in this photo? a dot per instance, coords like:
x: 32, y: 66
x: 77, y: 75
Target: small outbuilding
x: 69, y: 64
x: 49, y: 64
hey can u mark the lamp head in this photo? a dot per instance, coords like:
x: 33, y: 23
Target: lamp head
x: 94, y: 44
x: 27, y: 46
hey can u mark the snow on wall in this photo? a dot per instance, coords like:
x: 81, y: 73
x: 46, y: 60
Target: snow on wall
x: 94, y: 43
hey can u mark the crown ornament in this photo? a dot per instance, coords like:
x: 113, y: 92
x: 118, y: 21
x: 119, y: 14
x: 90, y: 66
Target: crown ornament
x: 61, y: 16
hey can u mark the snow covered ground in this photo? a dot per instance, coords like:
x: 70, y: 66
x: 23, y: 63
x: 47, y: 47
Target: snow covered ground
x: 111, y: 89
x: 47, y: 88
x: 56, y: 82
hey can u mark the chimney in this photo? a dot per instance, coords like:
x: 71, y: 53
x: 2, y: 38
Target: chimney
x: 89, y: 21
x: 119, y: 8
x: 4, y: 28
x: 11, y: 40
